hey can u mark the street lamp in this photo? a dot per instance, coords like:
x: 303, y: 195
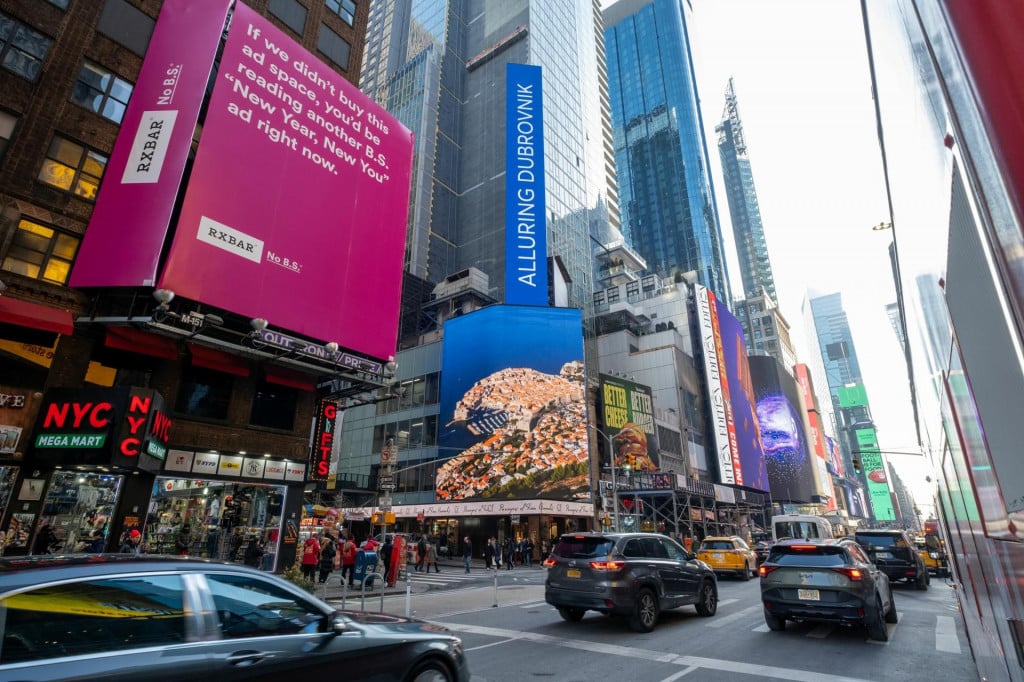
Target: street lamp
x: 615, y: 481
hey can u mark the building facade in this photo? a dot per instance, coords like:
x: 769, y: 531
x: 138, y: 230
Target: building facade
x: 669, y: 214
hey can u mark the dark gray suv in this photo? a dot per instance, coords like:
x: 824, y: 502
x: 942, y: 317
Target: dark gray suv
x: 895, y: 553
x: 636, y: 575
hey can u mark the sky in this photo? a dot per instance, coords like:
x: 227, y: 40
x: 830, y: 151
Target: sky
x: 803, y: 89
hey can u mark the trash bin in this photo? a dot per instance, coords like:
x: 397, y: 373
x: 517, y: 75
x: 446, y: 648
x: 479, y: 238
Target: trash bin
x: 366, y: 562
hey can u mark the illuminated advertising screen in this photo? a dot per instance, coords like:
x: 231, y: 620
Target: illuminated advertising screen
x: 526, y: 251
x: 296, y: 208
x: 872, y: 461
x: 513, y: 422
x: 628, y: 409
x: 746, y: 433
x: 719, y: 408
x: 788, y: 456
x: 835, y: 457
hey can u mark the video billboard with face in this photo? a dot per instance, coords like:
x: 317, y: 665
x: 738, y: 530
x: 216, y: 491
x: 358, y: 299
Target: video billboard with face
x: 628, y: 422
x: 513, y: 421
x: 787, y: 454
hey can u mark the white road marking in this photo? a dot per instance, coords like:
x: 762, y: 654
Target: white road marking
x: 757, y: 670
x: 762, y: 628
x: 726, y: 602
x: 685, y: 671
x: 484, y: 646
x: 716, y: 622
x: 945, y: 635
x: 533, y: 604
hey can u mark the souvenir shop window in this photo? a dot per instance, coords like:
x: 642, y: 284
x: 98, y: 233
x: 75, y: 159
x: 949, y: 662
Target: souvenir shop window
x: 204, y: 393
x: 273, y: 406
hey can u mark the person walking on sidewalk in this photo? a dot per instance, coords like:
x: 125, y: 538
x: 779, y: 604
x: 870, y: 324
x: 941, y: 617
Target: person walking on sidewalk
x: 348, y: 560
x: 327, y: 552
x: 490, y: 553
x: 432, y: 556
x: 510, y: 551
x: 421, y: 554
x: 467, y: 552
x: 310, y: 557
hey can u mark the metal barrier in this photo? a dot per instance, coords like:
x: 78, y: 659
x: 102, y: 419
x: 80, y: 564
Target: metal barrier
x: 369, y: 577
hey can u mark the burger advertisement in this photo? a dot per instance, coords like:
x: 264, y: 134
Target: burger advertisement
x: 629, y: 423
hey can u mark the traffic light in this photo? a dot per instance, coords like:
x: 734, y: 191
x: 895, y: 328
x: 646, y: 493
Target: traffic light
x: 856, y: 466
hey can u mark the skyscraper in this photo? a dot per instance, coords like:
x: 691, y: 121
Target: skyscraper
x: 443, y: 76
x: 755, y: 266
x: 669, y: 214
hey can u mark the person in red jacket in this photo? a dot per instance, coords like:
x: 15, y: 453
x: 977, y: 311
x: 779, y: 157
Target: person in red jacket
x: 310, y: 557
x: 348, y: 560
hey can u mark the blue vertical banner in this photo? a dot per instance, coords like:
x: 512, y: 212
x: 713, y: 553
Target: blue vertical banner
x: 526, y: 248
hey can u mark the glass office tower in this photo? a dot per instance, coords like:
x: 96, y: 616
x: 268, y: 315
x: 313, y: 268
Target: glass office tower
x: 439, y: 66
x: 755, y: 266
x: 669, y: 214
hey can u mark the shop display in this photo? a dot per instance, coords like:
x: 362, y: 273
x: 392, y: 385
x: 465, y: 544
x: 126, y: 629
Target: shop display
x: 76, y: 504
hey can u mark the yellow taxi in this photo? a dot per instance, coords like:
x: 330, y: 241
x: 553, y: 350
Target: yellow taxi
x: 729, y: 555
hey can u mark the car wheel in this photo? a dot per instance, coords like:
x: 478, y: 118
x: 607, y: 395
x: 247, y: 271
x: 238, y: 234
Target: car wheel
x: 746, y: 572
x: 430, y: 671
x: 645, y: 612
x: 571, y: 614
x: 707, y: 600
x: 876, y: 626
x: 774, y: 623
x: 922, y: 581
x: 891, y: 616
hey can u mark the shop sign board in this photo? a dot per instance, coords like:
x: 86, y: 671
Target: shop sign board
x: 274, y: 470
x: 294, y: 471
x: 323, y: 440
x: 253, y: 467
x: 205, y: 463
x: 179, y: 460
x: 230, y: 465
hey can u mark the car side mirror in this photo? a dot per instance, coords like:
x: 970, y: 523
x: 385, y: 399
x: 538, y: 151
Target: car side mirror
x: 339, y: 624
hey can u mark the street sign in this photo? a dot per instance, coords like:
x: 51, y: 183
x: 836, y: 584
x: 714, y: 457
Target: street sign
x: 386, y: 479
x: 384, y: 503
x: 387, y: 486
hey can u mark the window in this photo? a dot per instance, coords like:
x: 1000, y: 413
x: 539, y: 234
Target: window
x: 93, y: 616
x: 41, y: 252
x: 204, y: 393
x: 251, y: 607
x: 346, y: 9
x: 273, y: 406
x: 334, y: 47
x: 126, y: 25
x: 7, y: 123
x: 290, y: 12
x: 99, y: 90
x: 73, y: 168
x: 22, y: 49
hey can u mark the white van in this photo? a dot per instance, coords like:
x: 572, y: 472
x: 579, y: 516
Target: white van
x: 800, y: 527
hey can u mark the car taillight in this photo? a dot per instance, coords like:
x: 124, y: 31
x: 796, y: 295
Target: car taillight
x: 851, y: 573
x: 763, y: 570
x: 549, y: 562
x: 607, y: 565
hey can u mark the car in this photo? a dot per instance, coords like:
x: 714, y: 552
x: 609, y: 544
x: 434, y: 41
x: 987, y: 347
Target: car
x: 933, y: 554
x: 131, y: 617
x: 829, y: 580
x: 895, y: 553
x: 729, y: 555
x: 761, y: 549
x: 636, y: 575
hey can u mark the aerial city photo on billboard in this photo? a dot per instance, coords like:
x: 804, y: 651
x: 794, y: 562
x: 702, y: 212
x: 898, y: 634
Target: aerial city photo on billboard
x: 513, y: 419
x: 628, y: 409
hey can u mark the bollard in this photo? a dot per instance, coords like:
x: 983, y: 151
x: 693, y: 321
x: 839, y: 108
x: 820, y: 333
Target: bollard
x: 408, y: 593
x: 344, y: 592
x: 495, y: 605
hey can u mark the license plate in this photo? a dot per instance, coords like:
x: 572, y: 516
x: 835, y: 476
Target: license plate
x: 717, y: 556
x: 883, y: 555
x: 809, y: 595
x: 572, y: 573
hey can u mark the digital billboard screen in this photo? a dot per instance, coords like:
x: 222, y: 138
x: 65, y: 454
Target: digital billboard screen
x: 788, y: 457
x: 628, y: 422
x: 513, y: 421
x: 720, y: 413
x: 297, y: 205
x: 745, y: 429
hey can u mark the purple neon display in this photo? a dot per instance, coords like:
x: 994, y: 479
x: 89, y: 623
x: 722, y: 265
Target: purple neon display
x: 129, y: 224
x: 297, y: 205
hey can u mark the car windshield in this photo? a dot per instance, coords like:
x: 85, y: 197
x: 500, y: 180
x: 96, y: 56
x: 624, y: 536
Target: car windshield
x: 869, y: 540
x: 816, y: 556
x: 572, y: 547
x: 717, y: 544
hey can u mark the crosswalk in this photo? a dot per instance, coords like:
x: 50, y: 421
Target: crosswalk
x: 446, y: 578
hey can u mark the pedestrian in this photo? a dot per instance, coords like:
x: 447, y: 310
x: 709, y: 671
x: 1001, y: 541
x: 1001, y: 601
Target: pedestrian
x: 328, y: 549
x: 310, y: 557
x: 385, y: 555
x: 348, y: 560
x: 528, y: 551
x: 489, y: 556
x: 509, y: 552
x: 467, y: 552
x: 97, y: 543
x: 432, y: 557
x: 183, y: 540
x: 254, y: 552
x: 133, y: 543
x: 421, y: 553
x: 235, y: 543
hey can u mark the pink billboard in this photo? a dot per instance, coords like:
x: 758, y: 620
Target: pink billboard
x: 297, y: 205
x: 129, y: 224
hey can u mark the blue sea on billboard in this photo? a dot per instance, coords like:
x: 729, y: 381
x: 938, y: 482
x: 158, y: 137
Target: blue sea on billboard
x: 513, y: 415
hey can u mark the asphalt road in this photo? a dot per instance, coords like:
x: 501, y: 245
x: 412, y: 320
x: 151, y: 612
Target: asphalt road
x: 524, y: 638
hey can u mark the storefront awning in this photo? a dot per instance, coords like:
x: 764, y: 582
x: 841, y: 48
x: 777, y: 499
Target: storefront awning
x: 138, y: 341
x: 203, y: 356
x: 19, y: 318
x: 287, y: 377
